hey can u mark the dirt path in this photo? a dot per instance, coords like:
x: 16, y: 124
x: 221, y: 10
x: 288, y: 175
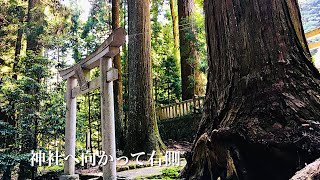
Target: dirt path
x: 141, y: 172
x: 182, y: 146
x: 137, y: 173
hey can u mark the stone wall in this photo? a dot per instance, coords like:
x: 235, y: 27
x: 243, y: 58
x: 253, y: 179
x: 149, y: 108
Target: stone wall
x: 178, y: 129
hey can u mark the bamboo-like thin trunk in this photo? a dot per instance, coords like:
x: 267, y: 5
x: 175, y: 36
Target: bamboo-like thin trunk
x: 90, y: 124
x: 118, y: 95
x: 175, y: 30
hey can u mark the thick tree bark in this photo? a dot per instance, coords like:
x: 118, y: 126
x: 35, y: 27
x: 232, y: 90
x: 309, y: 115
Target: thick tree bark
x: 175, y: 30
x: 143, y: 134
x: 262, y: 107
x: 117, y: 86
x: 190, y: 74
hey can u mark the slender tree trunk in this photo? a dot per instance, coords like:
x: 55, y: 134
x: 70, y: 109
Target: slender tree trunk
x: 118, y: 105
x: 12, y: 118
x: 90, y: 123
x: 175, y: 30
x: 262, y: 105
x: 143, y: 134
x: 17, y: 50
x: 125, y: 67
x: 126, y: 87
x: 190, y: 74
x: 99, y: 135
x: 35, y: 27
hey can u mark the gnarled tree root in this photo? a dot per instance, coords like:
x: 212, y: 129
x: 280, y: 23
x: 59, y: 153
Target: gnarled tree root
x: 228, y: 154
x: 310, y: 172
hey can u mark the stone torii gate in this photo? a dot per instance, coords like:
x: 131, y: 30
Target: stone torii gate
x: 77, y: 75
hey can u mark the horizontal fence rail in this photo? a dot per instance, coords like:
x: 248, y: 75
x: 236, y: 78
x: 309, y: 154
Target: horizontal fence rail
x: 180, y: 109
x: 311, y: 34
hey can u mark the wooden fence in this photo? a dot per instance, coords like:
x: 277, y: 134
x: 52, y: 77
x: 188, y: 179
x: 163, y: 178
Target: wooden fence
x: 180, y: 109
x: 312, y: 34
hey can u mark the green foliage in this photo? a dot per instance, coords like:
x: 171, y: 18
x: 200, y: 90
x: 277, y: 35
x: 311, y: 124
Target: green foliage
x: 166, y: 72
x: 6, y: 130
x: 74, y: 33
x: 169, y: 89
x: 96, y: 27
x: 35, y: 67
x: 9, y: 158
x: 11, y: 17
x: 172, y: 172
x: 52, y: 127
x: 38, y: 113
x: 167, y: 174
x: 44, y: 169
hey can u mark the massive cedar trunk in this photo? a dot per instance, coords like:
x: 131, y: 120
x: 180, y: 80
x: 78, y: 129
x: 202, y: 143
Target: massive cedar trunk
x: 143, y: 134
x: 262, y: 108
x: 189, y: 59
x: 117, y: 86
x: 175, y: 30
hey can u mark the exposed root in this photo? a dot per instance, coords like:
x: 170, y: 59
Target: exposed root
x: 310, y: 172
x: 226, y: 155
x: 209, y: 159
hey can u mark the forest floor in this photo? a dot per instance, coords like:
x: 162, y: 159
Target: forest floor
x: 134, y: 171
x: 139, y: 173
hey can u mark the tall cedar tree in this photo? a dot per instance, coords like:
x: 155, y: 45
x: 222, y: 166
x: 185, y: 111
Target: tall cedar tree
x: 189, y: 59
x: 119, y: 116
x: 18, y: 45
x: 35, y: 27
x: 143, y: 134
x: 262, y: 108
x: 175, y: 30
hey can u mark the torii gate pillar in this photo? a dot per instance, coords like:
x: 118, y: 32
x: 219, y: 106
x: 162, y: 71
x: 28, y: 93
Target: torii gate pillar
x: 107, y: 117
x: 70, y: 132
